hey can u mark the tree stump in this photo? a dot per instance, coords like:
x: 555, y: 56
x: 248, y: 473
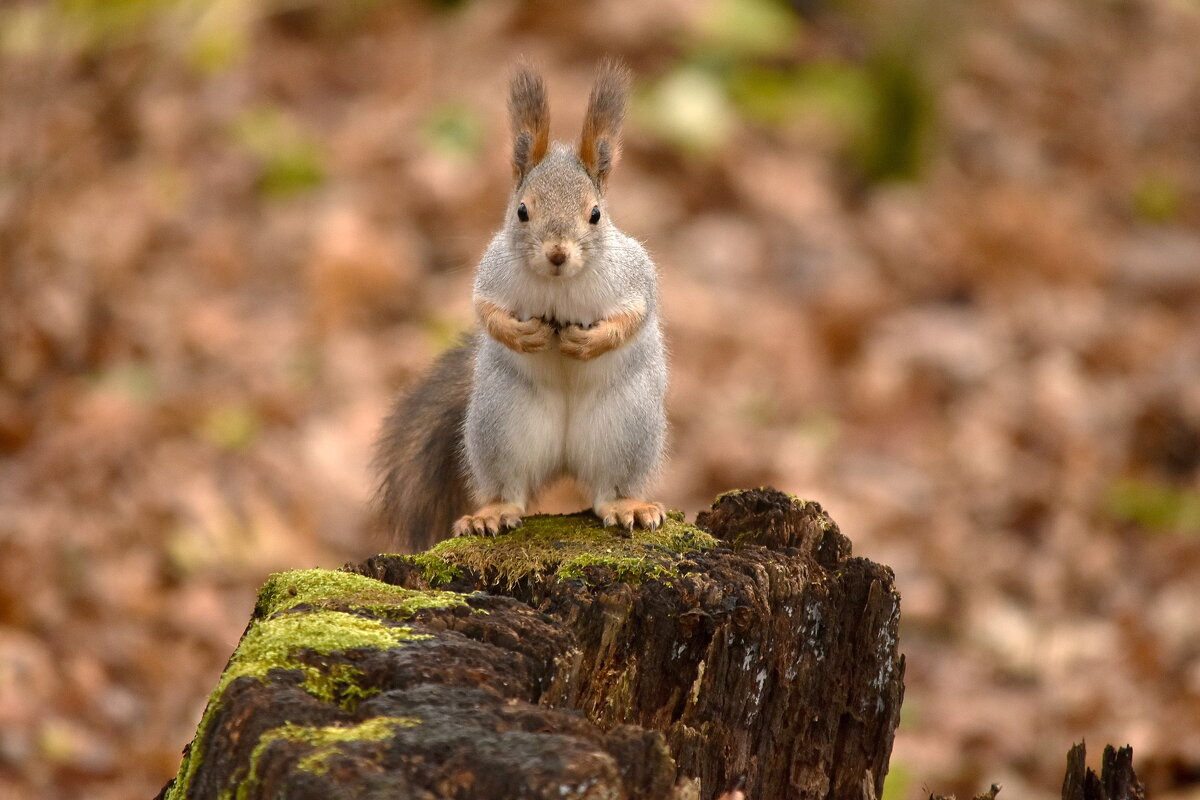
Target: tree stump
x: 563, y: 660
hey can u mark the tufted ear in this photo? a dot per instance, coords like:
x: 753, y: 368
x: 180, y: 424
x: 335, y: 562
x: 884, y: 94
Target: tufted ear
x: 600, y: 143
x: 530, y: 114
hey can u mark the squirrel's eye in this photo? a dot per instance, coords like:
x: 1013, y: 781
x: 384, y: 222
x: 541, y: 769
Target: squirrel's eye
x: 595, y: 217
x: 522, y: 213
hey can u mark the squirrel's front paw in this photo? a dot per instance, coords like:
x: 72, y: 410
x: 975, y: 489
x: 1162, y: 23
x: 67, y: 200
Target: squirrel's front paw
x: 490, y: 520
x: 584, y: 344
x: 528, y: 336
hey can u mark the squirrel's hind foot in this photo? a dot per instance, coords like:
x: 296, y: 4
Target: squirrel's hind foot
x: 489, y: 520
x: 628, y: 512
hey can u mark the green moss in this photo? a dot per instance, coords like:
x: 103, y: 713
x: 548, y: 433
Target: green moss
x: 338, y: 590
x: 334, y: 683
x: 274, y: 643
x: 277, y: 637
x: 325, y: 742
x: 731, y: 493
x: 562, y: 546
x: 436, y: 571
x: 627, y: 569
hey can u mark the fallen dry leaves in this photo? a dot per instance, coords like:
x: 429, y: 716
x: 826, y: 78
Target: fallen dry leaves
x: 215, y: 276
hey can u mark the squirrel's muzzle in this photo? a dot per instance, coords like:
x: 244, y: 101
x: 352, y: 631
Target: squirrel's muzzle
x: 556, y: 254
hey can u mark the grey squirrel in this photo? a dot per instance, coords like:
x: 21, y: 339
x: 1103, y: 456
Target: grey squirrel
x: 568, y: 373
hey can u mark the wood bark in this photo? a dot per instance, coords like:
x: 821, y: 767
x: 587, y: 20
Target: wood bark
x: 768, y: 664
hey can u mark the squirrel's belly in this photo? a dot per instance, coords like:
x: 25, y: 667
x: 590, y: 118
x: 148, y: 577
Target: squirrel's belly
x: 554, y: 371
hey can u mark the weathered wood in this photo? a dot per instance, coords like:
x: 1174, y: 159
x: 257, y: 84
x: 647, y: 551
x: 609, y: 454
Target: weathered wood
x: 1116, y: 780
x: 568, y: 662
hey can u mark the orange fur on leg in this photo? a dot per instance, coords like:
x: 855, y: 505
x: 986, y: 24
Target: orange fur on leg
x: 524, y: 336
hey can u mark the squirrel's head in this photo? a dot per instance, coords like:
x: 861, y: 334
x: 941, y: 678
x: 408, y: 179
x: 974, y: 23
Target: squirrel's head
x: 557, y: 215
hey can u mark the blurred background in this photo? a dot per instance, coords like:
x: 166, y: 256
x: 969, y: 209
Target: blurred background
x: 933, y: 264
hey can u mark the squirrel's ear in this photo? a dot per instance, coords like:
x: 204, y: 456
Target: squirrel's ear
x: 600, y: 143
x: 530, y: 115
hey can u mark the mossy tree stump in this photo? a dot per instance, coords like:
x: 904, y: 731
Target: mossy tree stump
x: 565, y: 661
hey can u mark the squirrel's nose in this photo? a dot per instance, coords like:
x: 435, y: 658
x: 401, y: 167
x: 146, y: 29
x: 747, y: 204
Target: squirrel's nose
x: 556, y: 255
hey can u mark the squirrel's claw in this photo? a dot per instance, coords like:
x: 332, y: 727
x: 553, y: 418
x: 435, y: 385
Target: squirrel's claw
x: 629, y: 513
x: 650, y: 517
x: 490, y: 520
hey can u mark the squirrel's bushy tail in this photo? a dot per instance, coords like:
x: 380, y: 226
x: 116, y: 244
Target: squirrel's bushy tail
x: 419, y: 456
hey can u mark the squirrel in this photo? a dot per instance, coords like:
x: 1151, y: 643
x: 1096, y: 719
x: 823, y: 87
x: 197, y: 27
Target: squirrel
x: 567, y: 373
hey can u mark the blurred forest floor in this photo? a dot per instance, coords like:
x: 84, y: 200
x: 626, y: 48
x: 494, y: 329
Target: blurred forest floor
x: 934, y: 265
